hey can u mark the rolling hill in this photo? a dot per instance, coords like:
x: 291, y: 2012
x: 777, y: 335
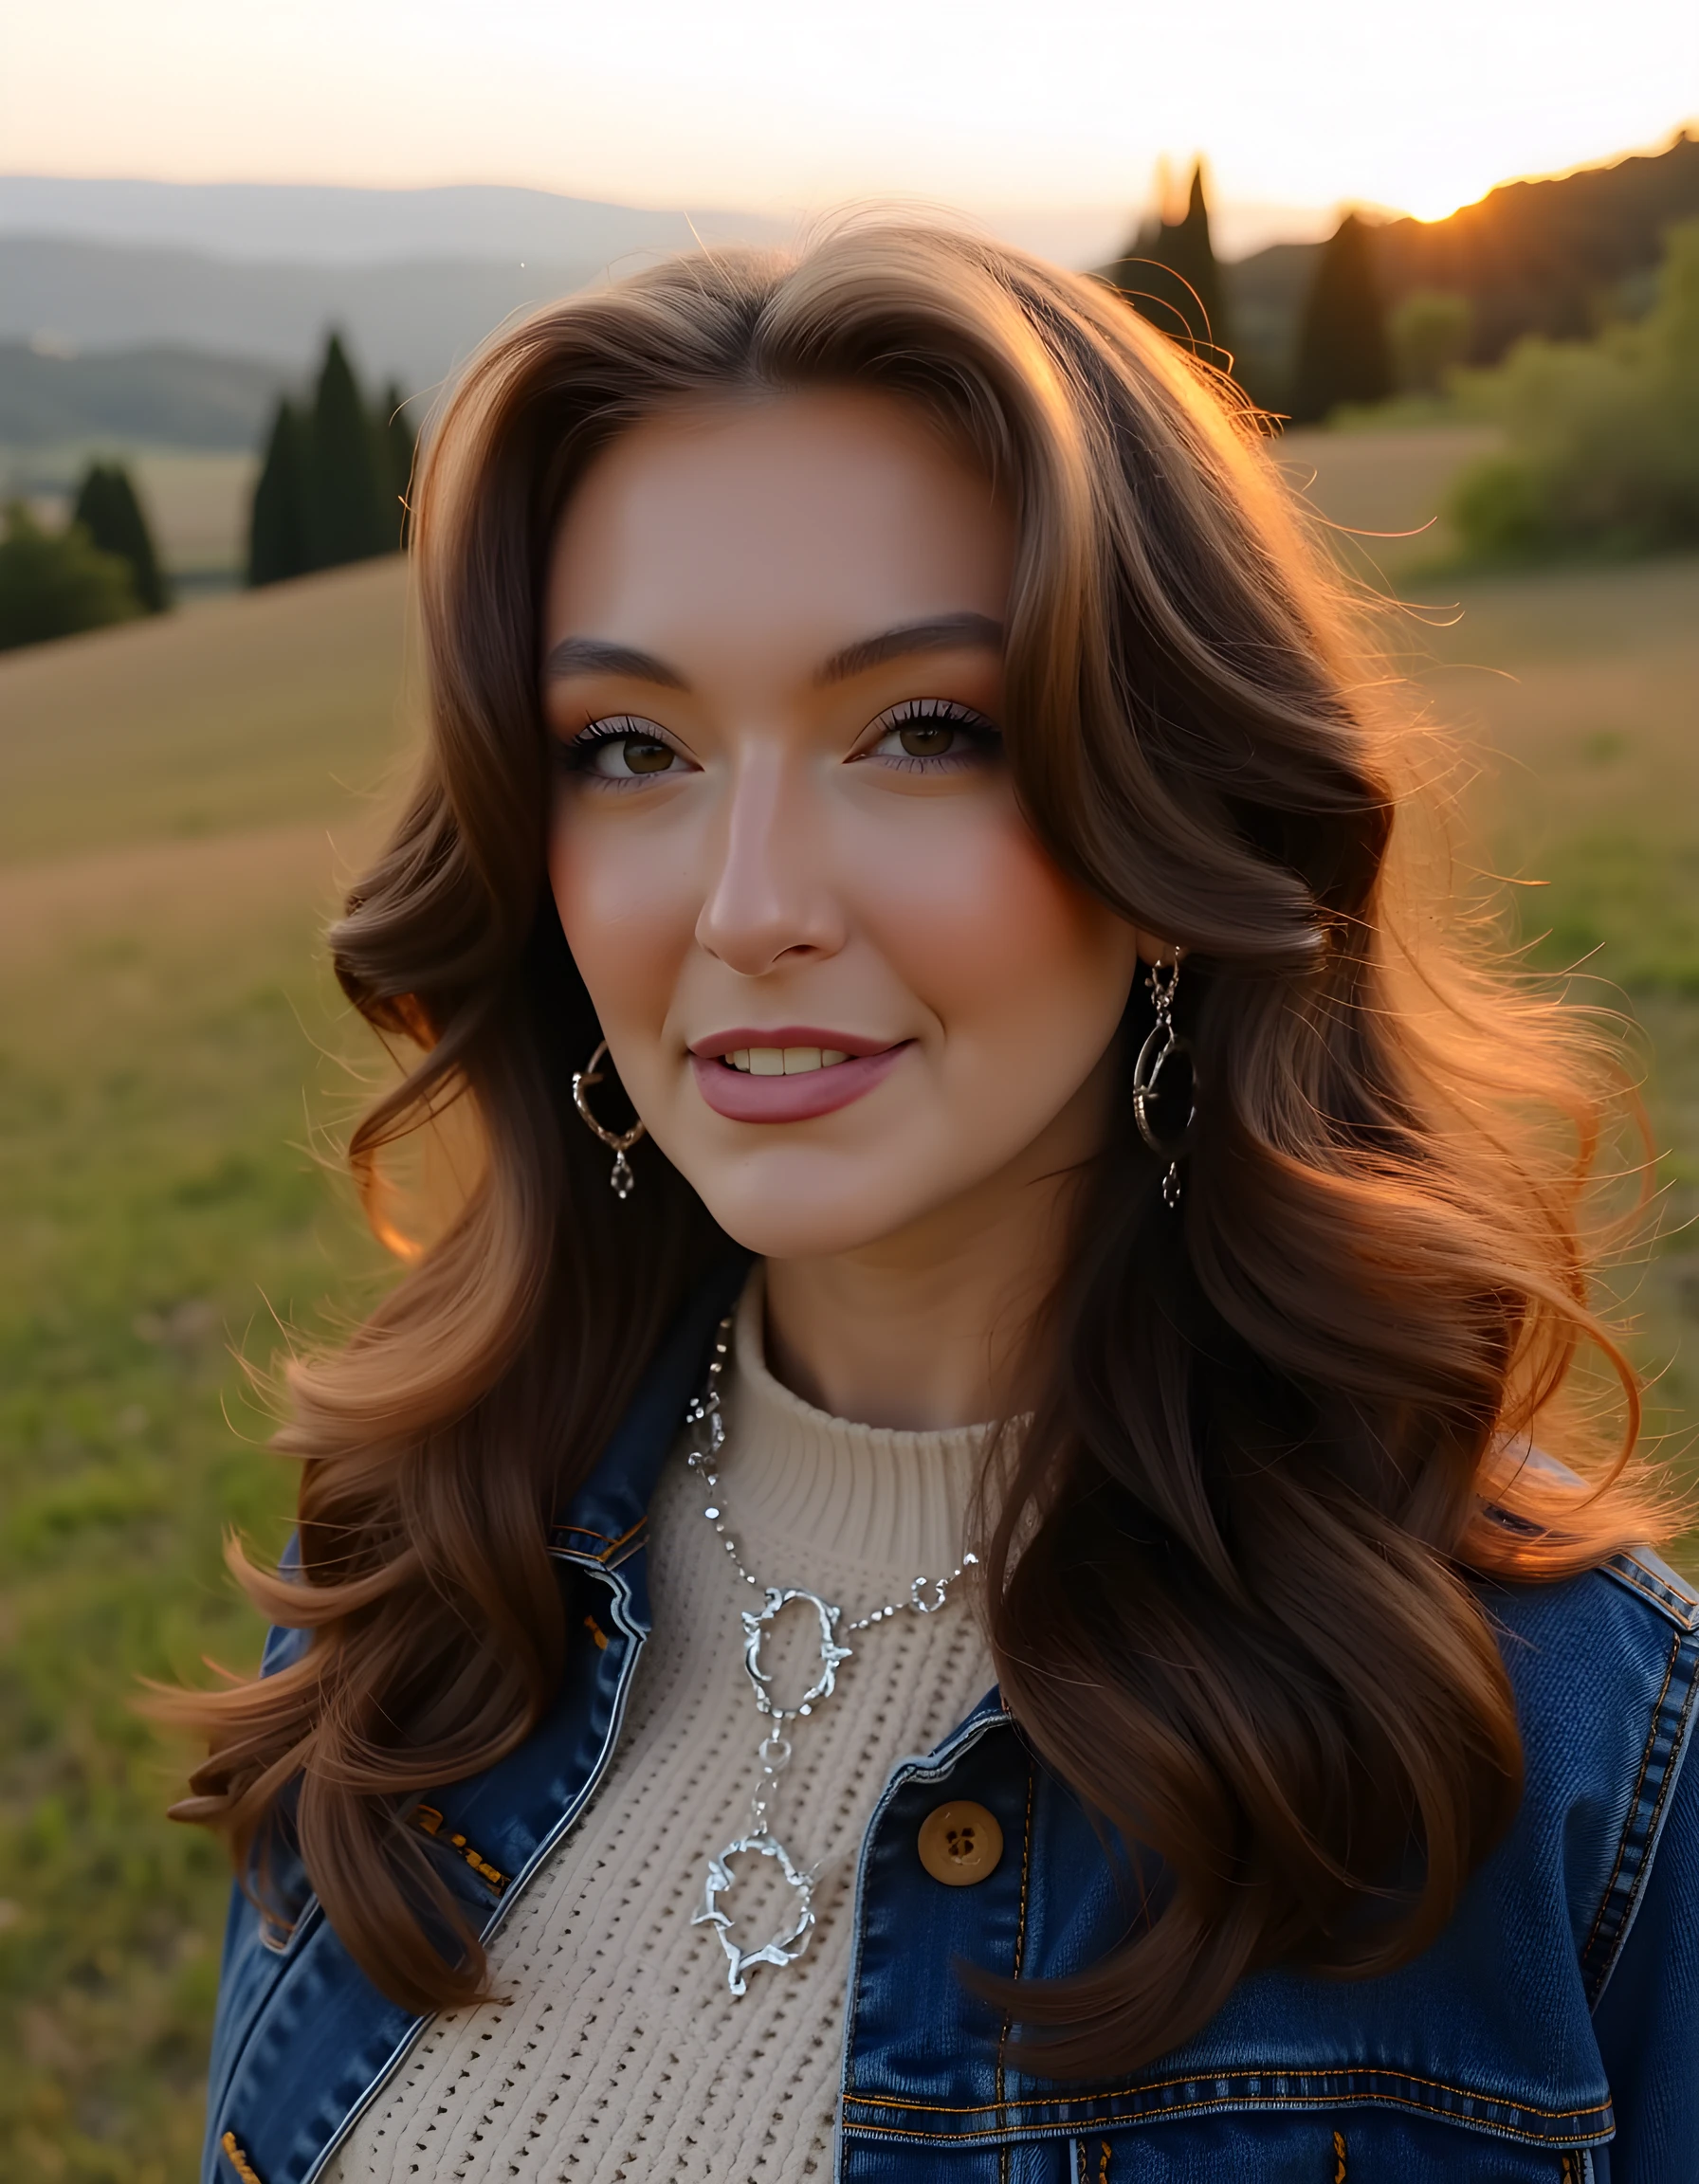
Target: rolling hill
x: 172, y: 396
x: 1551, y: 257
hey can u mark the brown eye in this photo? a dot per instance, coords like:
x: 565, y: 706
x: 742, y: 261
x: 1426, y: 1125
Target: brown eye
x: 643, y: 756
x: 935, y: 736
x: 623, y: 749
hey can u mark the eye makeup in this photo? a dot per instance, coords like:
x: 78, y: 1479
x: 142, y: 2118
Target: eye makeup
x: 932, y: 735
x: 917, y: 735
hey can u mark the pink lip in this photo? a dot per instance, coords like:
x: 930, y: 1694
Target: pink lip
x: 741, y: 1097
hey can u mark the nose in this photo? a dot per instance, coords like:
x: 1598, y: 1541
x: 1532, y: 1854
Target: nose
x: 770, y: 898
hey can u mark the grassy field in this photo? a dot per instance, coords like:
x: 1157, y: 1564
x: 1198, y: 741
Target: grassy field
x: 195, y: 499
x: 177, y: 801
x: 1380, y: 491
x: 198, y: 505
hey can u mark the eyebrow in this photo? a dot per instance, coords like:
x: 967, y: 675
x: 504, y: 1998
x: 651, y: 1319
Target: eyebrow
x: 594, y: 656
x: 938, y: 633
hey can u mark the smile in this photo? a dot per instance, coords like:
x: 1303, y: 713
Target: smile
x: 788, y: 1075
x: 785, y: 1061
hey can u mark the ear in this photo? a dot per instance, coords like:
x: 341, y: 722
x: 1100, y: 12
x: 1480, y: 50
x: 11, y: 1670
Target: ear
x: 1155, y: 952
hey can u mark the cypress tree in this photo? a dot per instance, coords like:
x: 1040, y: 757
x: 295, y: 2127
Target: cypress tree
x: 1344, y: 355
x: 110, y: 512
x: 349, y: 506
x: 278, y: 532
x: 400, y: 443
x: 1169, y: 274
x: 1188, y: 252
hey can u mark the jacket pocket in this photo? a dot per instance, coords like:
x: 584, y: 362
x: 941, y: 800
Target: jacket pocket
x: 1354, y: 2146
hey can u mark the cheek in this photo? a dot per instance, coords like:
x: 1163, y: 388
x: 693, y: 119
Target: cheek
x: 1004, y: 948
x: 625, y: 925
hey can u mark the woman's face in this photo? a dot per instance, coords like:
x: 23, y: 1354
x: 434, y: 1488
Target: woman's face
x: 840, y: 979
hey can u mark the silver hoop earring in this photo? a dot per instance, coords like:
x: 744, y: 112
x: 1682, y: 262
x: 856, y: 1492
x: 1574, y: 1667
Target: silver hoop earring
x: 1162, y: 1044
x: 621, y: 1141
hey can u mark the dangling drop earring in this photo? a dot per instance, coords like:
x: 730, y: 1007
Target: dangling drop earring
x: 623, y: 1179
x: 1161, y: 1044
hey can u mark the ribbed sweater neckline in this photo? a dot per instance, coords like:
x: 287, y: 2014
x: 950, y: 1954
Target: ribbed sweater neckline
x: 809, y: 1492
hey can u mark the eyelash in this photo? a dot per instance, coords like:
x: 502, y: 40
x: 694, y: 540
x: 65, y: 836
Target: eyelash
x: 948, y: 712
x: 612, y: 728
x: 577, y: 755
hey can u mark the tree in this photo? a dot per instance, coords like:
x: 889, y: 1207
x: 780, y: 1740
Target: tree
x: 278, y: 528
x: 53, y: 584
x: 350, y: 510
x: 400, y: 447
x: 1430, y: 335
x: 1169, y: 274
x: 332, y: 485
x: 1344, y: 355
x: 109, y: 510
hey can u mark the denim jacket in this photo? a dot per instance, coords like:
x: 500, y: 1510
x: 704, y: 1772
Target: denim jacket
x: 1551, y: 2032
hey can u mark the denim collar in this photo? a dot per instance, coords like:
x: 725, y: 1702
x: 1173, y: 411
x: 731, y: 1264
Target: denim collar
x: 606, y: 1520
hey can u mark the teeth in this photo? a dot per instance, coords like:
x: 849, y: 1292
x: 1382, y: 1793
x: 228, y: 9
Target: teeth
x: 784, y: 1061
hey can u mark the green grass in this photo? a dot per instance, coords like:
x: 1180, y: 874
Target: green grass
x: 162, y: 1004
x: 1578, y: 693
x: 176, y: 803
x: 274, y: 706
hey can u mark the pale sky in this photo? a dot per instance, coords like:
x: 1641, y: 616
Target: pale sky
x: 794, y: 104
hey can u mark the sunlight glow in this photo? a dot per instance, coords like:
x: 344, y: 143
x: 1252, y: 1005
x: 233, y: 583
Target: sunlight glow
x: 767, y: 104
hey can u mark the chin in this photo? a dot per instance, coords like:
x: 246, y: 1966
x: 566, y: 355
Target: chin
x: 824, y: 1230
x: 788, y: 1208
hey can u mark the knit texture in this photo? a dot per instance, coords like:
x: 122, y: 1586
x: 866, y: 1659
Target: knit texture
x: 618, y: 2053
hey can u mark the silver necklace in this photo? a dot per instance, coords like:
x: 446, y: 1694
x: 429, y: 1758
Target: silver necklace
x: 926, y: 1596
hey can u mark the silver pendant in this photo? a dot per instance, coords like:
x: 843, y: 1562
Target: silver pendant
x: 926, y: 1596
x: 831, y: 1653
x: 785, y: 1946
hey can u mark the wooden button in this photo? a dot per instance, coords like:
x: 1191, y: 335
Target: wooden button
x: 959, y: 1844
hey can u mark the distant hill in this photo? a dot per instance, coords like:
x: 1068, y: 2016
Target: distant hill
x: 1549, y: 257
x: 413, y: 320
x: 313, y: 223
x: 415, y: 278
x: 172, y: 397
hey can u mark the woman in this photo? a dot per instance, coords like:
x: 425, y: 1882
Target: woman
x: 942, y: 1570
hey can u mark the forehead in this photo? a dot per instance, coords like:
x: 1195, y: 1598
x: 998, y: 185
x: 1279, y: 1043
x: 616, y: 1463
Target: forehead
x: 799, y: 521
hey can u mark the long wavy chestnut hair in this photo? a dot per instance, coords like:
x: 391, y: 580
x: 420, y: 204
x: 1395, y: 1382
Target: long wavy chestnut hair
x: 1234, y: 1564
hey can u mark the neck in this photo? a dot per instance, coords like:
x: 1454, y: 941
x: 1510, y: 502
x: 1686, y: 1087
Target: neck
x: 931, y: 1327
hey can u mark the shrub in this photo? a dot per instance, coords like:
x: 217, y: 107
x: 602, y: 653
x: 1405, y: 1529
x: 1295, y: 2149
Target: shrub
x: 53, y: 584
x: 1604, y: 455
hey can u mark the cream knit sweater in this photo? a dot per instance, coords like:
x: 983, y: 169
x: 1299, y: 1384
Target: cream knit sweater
x: 618, y: 2055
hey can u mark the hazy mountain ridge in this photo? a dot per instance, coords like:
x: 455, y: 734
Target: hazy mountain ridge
x: 322, y: 224
x: 413, y: 321
x: 167, y: 397
x: 416, y: 278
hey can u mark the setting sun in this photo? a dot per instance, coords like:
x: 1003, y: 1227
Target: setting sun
x: 767, y: 105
